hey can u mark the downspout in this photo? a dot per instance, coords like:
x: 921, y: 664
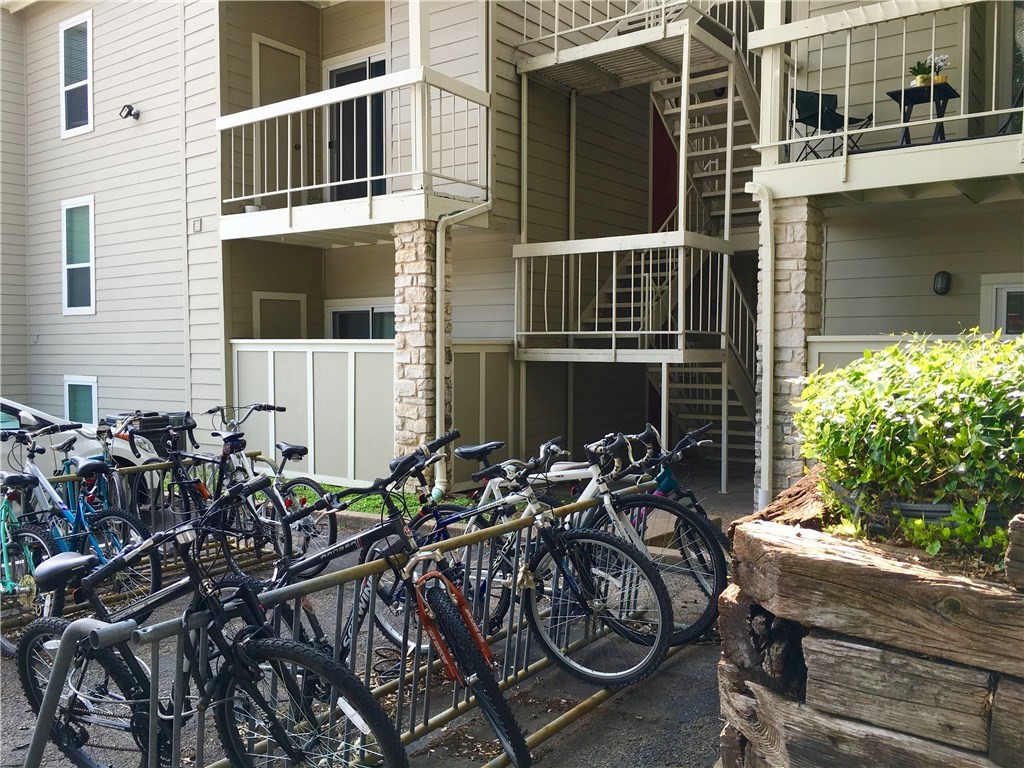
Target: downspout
x: 767, y: 310
x: 443, y: 222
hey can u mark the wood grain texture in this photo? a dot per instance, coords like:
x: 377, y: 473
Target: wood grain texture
x: 1006, y: 747
x: 794, y: 735
x: 898, y: 691
x: 818, y: 580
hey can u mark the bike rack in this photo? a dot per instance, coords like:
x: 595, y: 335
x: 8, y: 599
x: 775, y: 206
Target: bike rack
x: 414, y: 713
x: 101, y: 635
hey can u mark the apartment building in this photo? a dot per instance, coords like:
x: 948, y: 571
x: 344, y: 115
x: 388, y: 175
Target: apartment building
x: 521, y: 218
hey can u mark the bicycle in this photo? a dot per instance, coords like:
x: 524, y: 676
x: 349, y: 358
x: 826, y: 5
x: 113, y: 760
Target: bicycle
x: 598, y: 606
x: 83, y: 528
x: 309, y: 535
x: 681, y: 543
x: 253, y: 523
x: 272, y: 699
x: 23, y: 547
x: 441, y: 608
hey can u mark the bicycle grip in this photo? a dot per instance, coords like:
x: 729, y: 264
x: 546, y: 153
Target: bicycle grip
x: 105, y: 571
x: 301, y: 512
x: 701, y: 430
x: 486, y: 473
x: 440, y: 442
x: 280, y: 408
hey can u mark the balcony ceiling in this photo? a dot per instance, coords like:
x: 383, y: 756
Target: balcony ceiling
x: 634, y: 58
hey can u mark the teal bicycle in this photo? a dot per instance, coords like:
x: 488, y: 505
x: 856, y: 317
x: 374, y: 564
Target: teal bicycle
x: 23, y: 547
x: 81, y: 527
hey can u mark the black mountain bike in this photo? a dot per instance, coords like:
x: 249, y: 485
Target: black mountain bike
x: 273, y: 699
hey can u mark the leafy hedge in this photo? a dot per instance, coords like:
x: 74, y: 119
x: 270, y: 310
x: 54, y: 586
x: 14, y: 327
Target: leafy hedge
x: 923, y: 421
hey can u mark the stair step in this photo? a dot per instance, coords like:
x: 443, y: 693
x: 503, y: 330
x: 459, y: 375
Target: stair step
x: 718, y: 129
x: 736, y: 171
x: 689, y: 401
x: 712, y: 107
x: 707, y: 81
x: 735, y: 211
x: 712, y: 151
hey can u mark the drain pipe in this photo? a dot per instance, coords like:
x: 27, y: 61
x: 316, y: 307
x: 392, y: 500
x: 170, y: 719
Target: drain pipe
x: 767, y: 310
x: 443, y: 222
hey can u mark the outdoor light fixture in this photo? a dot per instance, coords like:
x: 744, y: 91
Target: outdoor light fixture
x: 128, y: 111
x: 942, y: 282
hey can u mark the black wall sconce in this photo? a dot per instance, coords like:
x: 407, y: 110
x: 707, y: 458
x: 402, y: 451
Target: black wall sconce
x: 128, y: 111
x: 942, y: 282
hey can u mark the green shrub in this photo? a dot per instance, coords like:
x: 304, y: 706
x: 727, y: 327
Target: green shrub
x: 923, y: 422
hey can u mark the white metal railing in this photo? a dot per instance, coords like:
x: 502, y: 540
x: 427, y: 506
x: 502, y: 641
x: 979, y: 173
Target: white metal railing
x: 856, y: 63
x: 553, y: 25
x: 642, y: 291
x: 415, y: 129
x: 741, y: 327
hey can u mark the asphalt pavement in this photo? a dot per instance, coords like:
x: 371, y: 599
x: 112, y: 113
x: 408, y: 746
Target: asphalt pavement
x: 670, y: 720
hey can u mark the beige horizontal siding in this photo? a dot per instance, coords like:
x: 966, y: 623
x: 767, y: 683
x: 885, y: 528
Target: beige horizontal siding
x: 483, y: 289
x: 133, y: 170
x: 351, y: 27
x: 880, y: 261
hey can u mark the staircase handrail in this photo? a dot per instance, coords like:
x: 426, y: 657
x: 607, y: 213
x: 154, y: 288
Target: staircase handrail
x: 741, y: 327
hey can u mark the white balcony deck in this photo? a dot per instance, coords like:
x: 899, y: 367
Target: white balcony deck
x: 852, y: 68
x: 339, y: 167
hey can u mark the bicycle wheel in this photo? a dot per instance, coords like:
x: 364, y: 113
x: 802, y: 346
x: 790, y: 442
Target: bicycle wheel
x: 478, y: 676
x: 393, y: 606
x: 685, y: 549
x: 108, y: 535
x: 310, y: 534
x: 328, y: 715
x: 102, y: 714
x: 252, y: 526
x: 489, y: 574
x: 601, y: 611
x: 26, y: 546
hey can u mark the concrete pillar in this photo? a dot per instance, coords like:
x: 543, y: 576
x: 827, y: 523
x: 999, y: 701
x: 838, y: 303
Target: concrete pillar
x: 416, y: 329
x: 799, y: 261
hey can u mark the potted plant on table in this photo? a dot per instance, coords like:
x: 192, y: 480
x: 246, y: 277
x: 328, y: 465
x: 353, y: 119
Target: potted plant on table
x: 937, y: 64
x: 922, y: 72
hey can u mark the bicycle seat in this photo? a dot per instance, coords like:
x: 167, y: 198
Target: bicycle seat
x: 90, y: 468
x: 225, y: 436
x: 290, y: 451
x: 18, y: 481
x: 67, y: 445
x: 478, y: 452
x: 56, y: 571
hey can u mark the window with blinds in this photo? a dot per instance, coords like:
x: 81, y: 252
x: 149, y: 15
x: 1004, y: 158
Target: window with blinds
x: 76, y: 75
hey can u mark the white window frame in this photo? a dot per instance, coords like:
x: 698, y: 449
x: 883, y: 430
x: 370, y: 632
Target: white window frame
x: 376, y: 304
x: 78, y: 202
x: 66, y: 133
x: 994, y: 288
x: 89, y: 381
x: 259, y: 296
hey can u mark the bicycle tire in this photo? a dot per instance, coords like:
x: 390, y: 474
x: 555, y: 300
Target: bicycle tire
x: 490, y: 593
x: 277, y: 665
x: 249, y: 525
x: 630, y: 635
x: 110, y: 533
x: 478, y: 676
x: 36, y: 544
x: 392, y: 607
x: 687, y: 553
x: 309, y: 535
x: 113, y: 723
x: 150, y: 496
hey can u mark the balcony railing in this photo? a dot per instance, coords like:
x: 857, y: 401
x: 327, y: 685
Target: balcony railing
x: 853, y: 69
x: 414, y: 130
x: 641, y: 292
x: 553, y: 25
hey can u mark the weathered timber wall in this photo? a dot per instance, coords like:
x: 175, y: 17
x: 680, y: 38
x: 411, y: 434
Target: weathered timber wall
x: 835, y: 655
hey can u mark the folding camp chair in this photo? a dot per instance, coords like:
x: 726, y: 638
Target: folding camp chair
x: 817, y: 112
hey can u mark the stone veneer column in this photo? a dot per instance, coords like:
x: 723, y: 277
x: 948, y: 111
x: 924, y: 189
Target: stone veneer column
x: 416, y: 326
x: 799, y: 260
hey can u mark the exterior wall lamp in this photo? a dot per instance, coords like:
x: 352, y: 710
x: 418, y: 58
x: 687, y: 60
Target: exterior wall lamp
x: 128, y: 111
x: 942, y: 282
